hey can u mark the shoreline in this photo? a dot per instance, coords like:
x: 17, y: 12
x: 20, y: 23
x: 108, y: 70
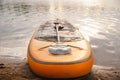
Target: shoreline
x: 18, y: 69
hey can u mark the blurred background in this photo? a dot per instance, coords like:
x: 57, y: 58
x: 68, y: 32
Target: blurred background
x: 98, y: 21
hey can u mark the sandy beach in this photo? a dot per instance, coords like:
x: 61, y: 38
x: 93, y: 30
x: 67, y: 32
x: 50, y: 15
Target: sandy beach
x: 16, y: 69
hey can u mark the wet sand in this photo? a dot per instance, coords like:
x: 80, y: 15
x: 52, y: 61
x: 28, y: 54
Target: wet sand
x: 18, y: 69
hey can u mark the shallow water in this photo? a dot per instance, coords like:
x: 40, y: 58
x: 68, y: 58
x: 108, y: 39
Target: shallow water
x: 98, y: 20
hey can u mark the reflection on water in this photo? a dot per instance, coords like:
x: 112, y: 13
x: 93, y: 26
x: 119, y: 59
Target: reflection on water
x: 56, y: 10
x: 91, y: 2
x: 98, y: 21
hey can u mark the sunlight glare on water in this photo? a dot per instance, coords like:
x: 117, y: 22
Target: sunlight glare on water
x: 90, y: 2
x: 89, y: 27
x: 56, y: 11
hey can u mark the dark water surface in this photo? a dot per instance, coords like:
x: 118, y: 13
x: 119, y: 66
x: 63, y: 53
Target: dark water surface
x: 98, y: 20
